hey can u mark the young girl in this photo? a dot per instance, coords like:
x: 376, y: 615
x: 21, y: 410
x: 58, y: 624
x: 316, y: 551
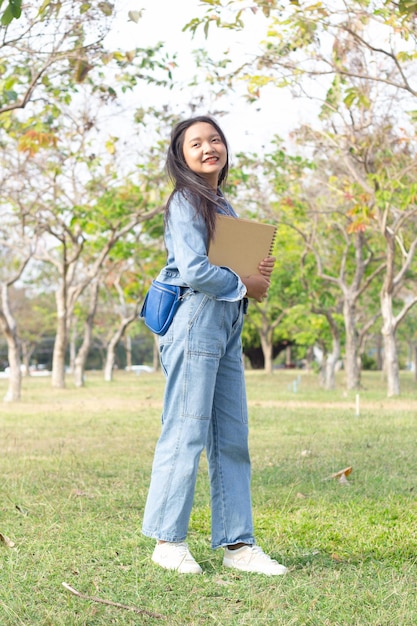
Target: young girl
x: 201, y: 355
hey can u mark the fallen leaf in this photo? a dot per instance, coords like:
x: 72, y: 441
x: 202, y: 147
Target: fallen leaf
x: 341, y: 476
x: 344, y: 472
x: 343, y: 480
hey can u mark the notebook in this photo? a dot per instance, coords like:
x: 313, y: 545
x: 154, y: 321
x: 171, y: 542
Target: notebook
x: 241, y: 244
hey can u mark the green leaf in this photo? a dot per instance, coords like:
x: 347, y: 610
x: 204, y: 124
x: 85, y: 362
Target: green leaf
x: 10, y: 95
x: 7, y: 16
x: 351, y: 96
x: 407, y: 6
x: 16, y: 8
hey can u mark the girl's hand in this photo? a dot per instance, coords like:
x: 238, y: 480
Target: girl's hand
x: 256, y: 286
x: 266, y: 266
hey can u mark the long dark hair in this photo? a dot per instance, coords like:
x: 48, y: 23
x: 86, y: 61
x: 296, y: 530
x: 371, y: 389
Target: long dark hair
x: 194, y: 187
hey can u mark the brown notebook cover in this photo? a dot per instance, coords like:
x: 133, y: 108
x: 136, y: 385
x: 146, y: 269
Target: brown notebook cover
x: 241, y: 244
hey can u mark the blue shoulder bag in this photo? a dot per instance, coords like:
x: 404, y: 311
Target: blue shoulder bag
x: 160, y: 306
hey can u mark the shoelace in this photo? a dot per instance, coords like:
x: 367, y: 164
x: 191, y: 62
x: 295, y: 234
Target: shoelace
x: 256, y: 552
x: 183, y: 550
x: 259, y: 552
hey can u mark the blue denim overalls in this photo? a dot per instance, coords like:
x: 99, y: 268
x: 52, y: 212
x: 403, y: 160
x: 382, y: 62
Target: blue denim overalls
x: 205, y: 397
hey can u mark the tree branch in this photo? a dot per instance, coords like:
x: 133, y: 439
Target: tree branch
x: 134, y: 609
x: 411, y: 252
x: 29, y: 91
x: 391, y: 55
x: 401, y: 315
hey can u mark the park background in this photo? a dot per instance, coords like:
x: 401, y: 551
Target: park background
x: 318, y: 101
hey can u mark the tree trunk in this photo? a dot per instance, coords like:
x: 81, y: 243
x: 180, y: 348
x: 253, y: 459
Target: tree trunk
x: 8, y: 325
x: 72, y: 345
x: 128, y: 348
x: 267, y: 350
x: 379, y: 356
x: 15, y: 376
x: 331, y: 362
x: 111, y: 348
x: 309, y: 358
x: 265, y: 335
x: 390, y: 345
x: 111, y: 357
x: 415, y: 363
x: 81, y: 357
x: 26, y: 349
x: 60, y: 345
x: 155, y: 356
x: 351, y: 349
x: 334, y: 356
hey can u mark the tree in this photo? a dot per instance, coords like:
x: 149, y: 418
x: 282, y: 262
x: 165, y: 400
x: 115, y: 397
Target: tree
x: 80, y: 357
x: 284, y: 294
x: 18, y: 240
x: 306, y: 40
x: 49, y: 45
x: 58, y: 46
x: 7, y: 318
x: 261, y: 188
x: 54, y: 52
x: 35, y: 317
x: 394, y: 173
x: 364, y: 53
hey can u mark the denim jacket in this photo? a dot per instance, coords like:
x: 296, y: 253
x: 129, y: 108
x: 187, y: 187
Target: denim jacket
x: 187, y: 262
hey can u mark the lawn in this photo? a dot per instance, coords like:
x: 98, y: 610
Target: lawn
x: 75, y: 467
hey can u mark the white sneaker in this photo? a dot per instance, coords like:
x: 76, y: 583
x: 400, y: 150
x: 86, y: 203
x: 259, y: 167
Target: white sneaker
x: 252, y: 559
x: 177, y: 556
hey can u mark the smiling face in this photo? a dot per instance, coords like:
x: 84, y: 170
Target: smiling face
x: 204, y: 151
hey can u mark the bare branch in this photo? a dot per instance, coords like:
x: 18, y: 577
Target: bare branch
x: 411, y: 252
x: 391, y: 55
x: 401, y: 315
x: 32, y: 85
x: 118, y: 605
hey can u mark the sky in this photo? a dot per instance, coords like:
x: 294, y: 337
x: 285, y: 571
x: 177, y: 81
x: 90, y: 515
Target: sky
x: 247, y: 127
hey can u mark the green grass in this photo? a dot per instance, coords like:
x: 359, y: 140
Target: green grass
x: 75, y: 468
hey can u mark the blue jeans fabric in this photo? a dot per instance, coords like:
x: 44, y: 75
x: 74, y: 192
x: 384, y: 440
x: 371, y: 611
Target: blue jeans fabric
x: 204, y: 407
